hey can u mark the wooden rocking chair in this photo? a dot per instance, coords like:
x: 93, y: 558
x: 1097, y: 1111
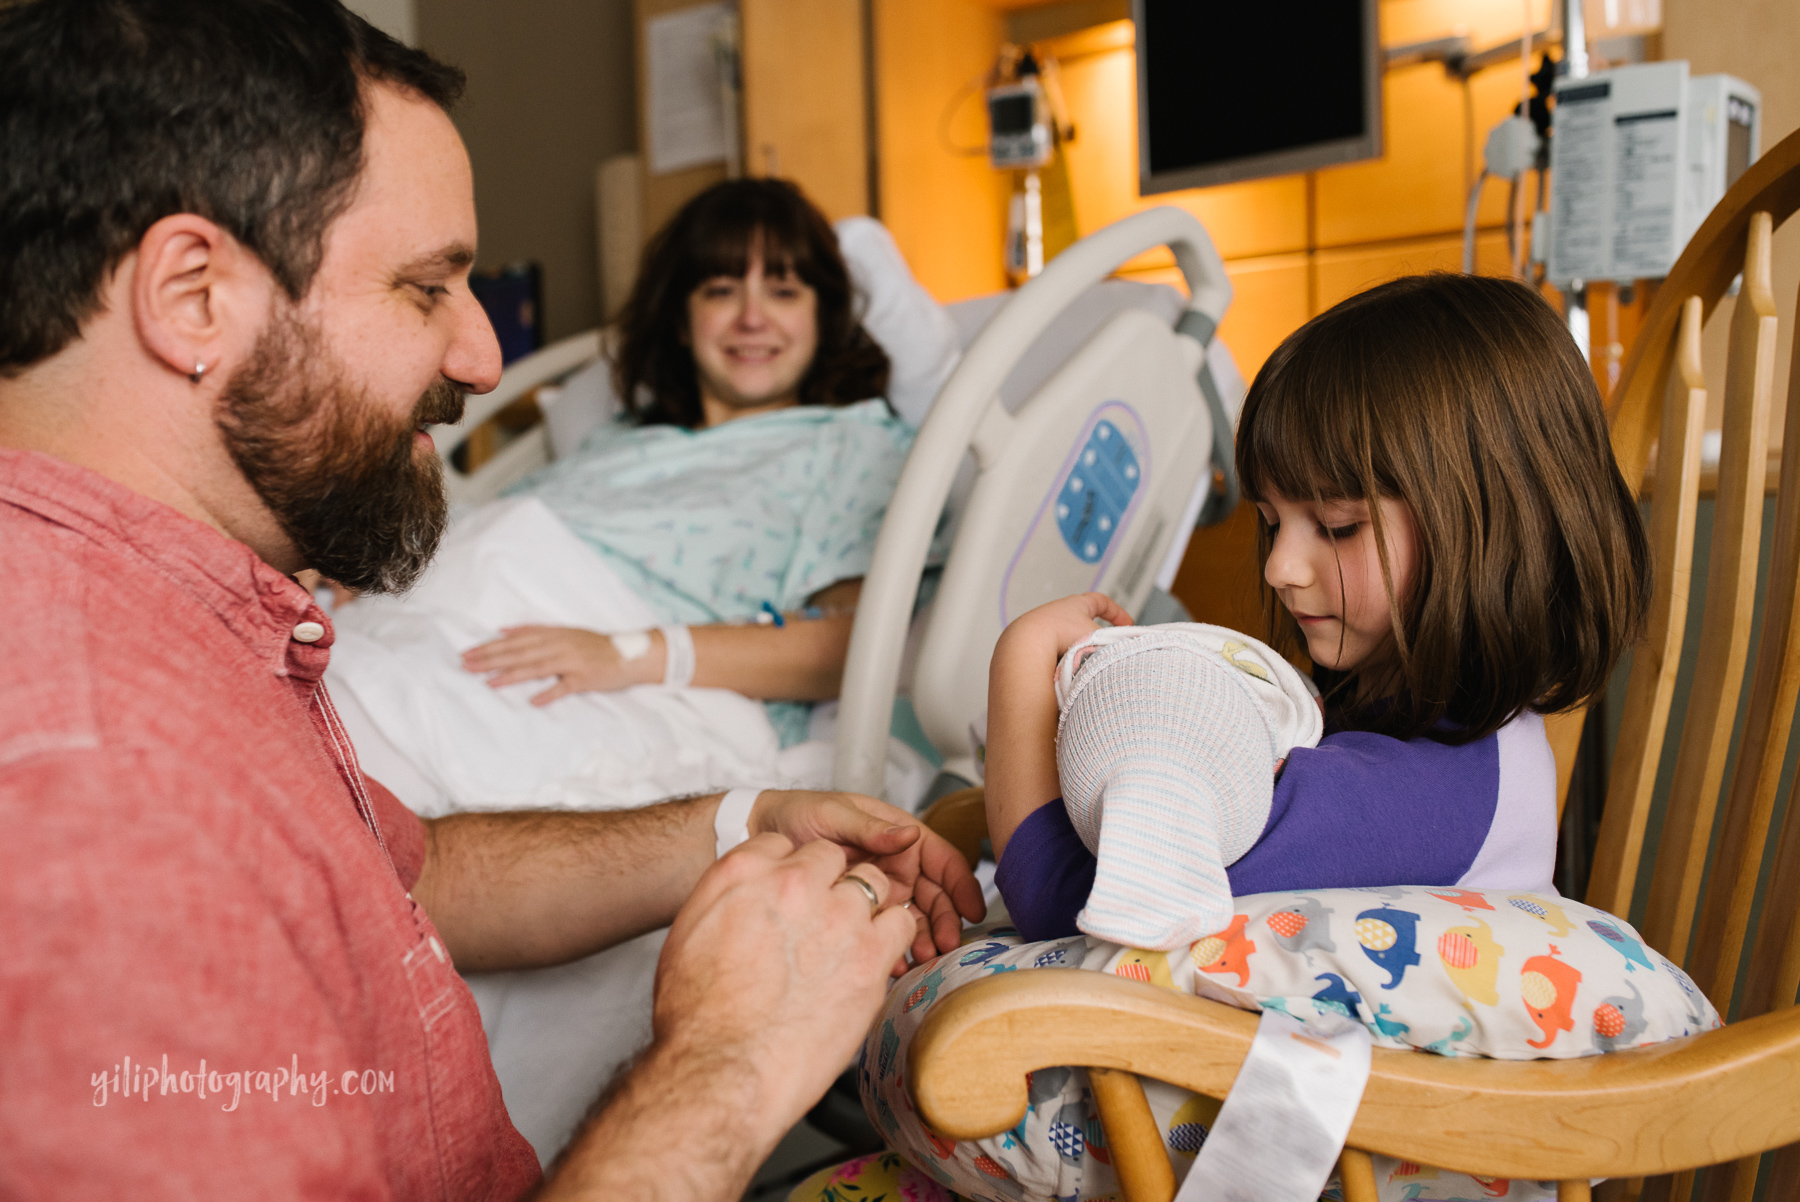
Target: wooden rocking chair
x: 1720, y: 1099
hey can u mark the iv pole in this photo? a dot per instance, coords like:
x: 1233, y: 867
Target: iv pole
x: 1575, y: 61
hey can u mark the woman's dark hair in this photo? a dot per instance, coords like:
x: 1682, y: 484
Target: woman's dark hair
x: 117, y: 113
x: 712, y: 236
x: 1465, y: 398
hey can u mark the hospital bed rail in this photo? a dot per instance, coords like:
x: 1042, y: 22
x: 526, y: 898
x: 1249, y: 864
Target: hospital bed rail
x: 531, y: 450
x: 1108, y: 386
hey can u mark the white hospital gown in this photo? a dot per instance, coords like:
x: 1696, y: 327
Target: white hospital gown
x: 708, y: 525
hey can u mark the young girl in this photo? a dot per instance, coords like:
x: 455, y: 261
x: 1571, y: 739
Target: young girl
x: 1443, y: 524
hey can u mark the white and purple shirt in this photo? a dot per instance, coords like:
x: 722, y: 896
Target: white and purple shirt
x: 1359, y: 809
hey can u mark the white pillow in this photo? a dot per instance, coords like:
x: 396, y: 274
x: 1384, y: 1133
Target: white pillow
x: 584, y: 400
x: 915, y: 331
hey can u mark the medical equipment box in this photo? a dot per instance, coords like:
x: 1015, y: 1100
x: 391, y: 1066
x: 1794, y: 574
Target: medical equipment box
x: 1639, y: 155
x: 1019, y: 118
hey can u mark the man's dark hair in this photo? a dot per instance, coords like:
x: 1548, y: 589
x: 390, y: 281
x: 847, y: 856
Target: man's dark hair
x: 712, y: 235
x: 117, y: 113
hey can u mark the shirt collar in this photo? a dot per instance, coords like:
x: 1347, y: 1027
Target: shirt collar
x: 264, y: 609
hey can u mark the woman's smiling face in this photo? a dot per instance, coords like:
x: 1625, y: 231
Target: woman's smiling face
x: 753, y: 339
x: 1326, y: 568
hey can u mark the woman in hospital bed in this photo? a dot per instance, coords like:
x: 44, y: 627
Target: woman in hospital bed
x: 713, y: 534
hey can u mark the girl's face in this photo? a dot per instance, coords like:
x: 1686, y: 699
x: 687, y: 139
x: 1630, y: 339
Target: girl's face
x: 1326, y: 569
x: 753, y: 339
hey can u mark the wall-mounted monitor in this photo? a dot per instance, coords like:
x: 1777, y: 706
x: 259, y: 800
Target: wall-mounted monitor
x: 1252, y: 88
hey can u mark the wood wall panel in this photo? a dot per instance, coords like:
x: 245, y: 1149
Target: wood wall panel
x: 1289, y: 254
x: 1345, y: 272
x: 803, y: 99
x: 1219, y: 578
x: 1487, y: 22
x: 946, y: 210
x: 663, y: 193
x: 1269, y: 301
x: 1416, y: 187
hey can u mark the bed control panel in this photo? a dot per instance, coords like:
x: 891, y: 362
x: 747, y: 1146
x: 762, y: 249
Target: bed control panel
x: 1099, y: 490
x: 1084, y: 518
x: 1081, y: 490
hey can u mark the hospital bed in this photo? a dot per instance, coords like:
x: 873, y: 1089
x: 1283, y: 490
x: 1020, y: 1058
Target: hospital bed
x: 1072, y: 446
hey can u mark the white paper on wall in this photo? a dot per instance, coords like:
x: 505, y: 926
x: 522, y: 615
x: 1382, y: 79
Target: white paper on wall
x: 687, y: 112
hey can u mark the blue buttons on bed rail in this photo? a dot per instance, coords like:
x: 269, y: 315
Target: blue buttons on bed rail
x: 1097, y: 492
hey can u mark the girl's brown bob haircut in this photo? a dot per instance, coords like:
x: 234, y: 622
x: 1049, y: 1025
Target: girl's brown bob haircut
x: 714, y: 235
x: 1464, y: 397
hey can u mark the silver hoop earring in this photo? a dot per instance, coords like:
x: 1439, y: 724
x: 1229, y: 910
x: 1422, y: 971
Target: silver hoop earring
x: 199, y: 370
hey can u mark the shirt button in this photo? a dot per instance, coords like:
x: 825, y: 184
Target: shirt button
x: 308, y: 632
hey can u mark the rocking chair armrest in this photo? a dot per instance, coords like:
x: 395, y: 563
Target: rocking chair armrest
x: 1699, y: 1100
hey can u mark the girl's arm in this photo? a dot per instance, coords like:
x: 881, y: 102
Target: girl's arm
x: 801, y: 661
x: 1021, y: 725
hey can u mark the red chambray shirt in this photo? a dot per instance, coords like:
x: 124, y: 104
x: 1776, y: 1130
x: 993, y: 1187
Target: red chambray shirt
x: 213, y: 981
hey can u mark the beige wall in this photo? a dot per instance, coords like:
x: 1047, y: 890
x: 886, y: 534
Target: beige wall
x: 552, y: 91
x: 1758, y: 41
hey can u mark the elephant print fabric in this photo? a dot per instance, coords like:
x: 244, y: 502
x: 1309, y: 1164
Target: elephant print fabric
x: 1448, y: 972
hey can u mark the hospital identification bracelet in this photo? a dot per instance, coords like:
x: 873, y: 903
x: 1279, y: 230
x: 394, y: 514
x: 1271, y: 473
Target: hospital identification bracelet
x: 731, y: 825
x: 678, y: 651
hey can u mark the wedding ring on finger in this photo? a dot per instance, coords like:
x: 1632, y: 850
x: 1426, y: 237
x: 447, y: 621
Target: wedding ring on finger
x: 868, y: 890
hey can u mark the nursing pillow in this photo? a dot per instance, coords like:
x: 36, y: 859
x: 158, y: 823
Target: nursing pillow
x: 1462, y: 972
x: 1505, y: 974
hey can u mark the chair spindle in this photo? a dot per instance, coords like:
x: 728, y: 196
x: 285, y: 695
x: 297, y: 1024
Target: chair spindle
x: 1730, y: 603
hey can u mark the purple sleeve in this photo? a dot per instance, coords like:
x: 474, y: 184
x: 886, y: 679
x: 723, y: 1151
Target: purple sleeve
x: 1367, y: 810
x: 1357, y: 810
x: 1046, y: 874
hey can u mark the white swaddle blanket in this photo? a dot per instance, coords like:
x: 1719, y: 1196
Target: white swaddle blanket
x: 480, y: 748
x: 1166, y: 748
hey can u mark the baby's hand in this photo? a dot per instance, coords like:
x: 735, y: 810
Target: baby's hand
x: 1059, y: 625
x: 581, y: 660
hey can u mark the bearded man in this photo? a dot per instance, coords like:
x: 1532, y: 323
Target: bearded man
x: 235, y: 239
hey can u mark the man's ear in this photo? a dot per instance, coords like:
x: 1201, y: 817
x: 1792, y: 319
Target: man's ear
x: 198, y: 296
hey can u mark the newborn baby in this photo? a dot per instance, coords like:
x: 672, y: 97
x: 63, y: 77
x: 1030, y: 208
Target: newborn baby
x: 1167, y: 746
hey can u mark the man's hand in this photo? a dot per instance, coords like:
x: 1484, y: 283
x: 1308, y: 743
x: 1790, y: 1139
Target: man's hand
x: 924, y: 869
x: 581, y: 660
x: 772, y: 973
x: 777, y: 960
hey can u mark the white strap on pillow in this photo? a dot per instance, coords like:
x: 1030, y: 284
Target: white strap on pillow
x: 1300, y: 1080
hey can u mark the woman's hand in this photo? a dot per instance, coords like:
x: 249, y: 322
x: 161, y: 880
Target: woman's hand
x: 581, y: 660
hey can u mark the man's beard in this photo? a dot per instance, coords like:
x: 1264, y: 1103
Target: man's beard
x: 343, y: 479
